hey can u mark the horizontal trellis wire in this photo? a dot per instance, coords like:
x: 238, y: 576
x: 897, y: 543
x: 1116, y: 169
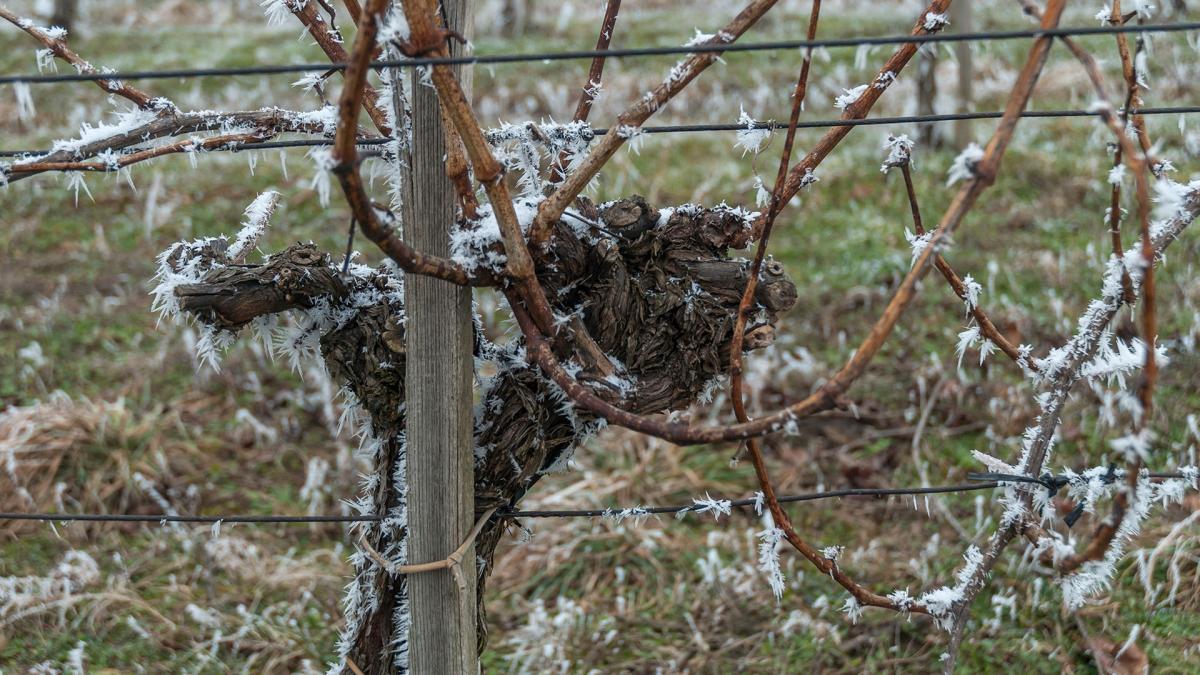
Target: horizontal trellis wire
x: 634, y: 511
x: 695, y: 128
x: 720, y: 48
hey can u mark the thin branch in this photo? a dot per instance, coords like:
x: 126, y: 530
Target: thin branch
x: 345, y: 153
x: 329, y: 39
x: 798, y: 177
x: 629, y: 122
x: 122, y: 161
x: 591, y: 89
x: 986, y: 327
x: 826, y: 565
x: 60, y: 49
x: 264, y: 123
x: 829, y: 395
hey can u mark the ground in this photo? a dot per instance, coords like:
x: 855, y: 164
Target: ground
x: 113, y: 414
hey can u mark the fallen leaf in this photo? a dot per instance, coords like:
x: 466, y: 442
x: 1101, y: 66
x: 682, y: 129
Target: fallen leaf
x: 1111, y: 659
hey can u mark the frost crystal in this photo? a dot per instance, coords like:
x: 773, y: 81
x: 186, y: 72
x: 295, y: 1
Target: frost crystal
x: 918, y: 242
x: 717, y: 507
x: 964, y: 164
x: 1135, y: 446
x: 75, y: 181
x: 966, y: 340
x: 257, y: 218
x: 940, y: 601
x: 751, y: 138
x: 935, y: 22
x: 634, y: 135
x: 899, y: 151
x: 323, y: 161
x: 971, y: 289
x: 25, y: 109
x: 638, y: 513
x: 853, y: 609
x: 768, y: 558
x: 1116, y: 174
x: 395, y: 27
x: 849, y: 96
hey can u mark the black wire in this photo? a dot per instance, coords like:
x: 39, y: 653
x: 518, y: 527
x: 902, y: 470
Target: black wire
x: 982, y: 481
x: 349, y: 247
x: 130, y: 518
x: 742, y: 503
x: 693, y: 128
x: 609, y: 53
x: 575, y: 513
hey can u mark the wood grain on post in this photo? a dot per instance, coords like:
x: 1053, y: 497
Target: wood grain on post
x: 961, y: 21
x: 441, y: 476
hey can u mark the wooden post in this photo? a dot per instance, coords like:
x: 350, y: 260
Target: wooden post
x: 441, y: 475
x: 927, y: 58
x: 65, y: 14
x: 961, y: 21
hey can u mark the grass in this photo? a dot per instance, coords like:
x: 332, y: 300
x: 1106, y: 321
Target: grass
x: 622, y: 597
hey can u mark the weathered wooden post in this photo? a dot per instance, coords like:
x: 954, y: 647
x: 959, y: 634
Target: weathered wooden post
x: 441, y: 474
x: 962, y: 22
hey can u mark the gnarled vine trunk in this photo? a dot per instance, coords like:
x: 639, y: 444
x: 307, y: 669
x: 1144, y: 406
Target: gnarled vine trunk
x: 657, y: 290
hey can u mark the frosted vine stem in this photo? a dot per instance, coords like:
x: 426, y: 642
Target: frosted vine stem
x: 346, y: 167
x: 1086, y: 342
x: 52, y: 38
x: 328, y: 38
x: 962, y: 287
x: 591, y: 88
x: 1141, y: 164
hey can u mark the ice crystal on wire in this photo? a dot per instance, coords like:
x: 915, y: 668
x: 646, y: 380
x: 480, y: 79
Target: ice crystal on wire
x: 752, y: 137
x: 963, y: 167
x: 637, y: 513
x: 323, y: 162
x: 717, y: 507
x: 633, y: 135
x: 849, y: 96
x: 25, y: 108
